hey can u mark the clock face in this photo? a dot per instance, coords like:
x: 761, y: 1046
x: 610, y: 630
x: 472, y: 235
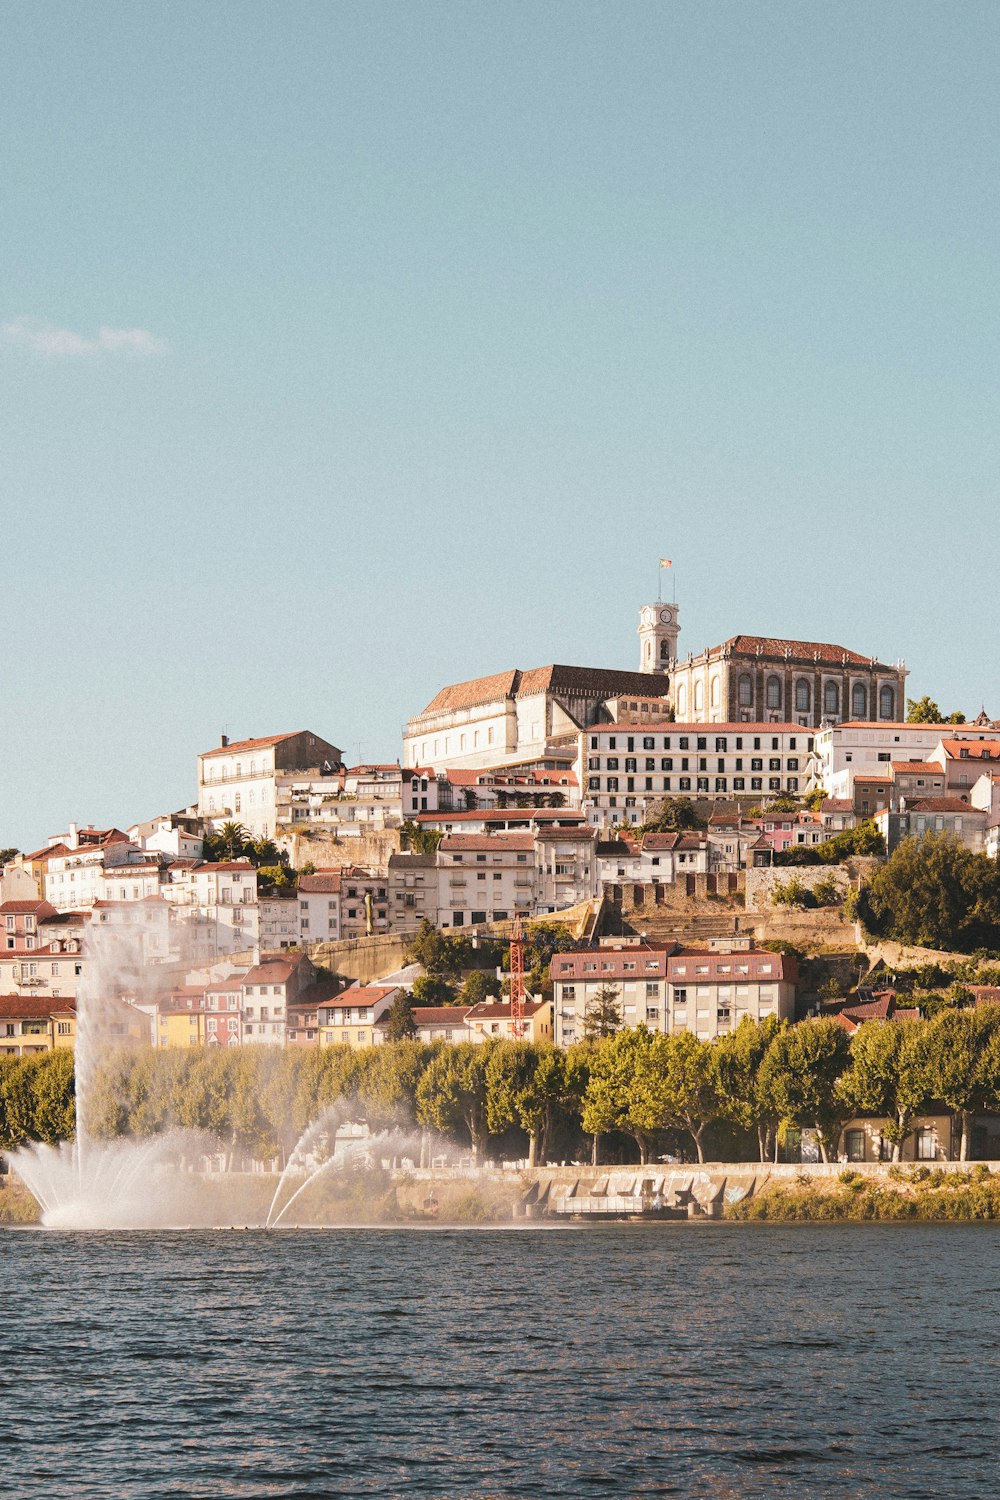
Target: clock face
x: 666, y: 616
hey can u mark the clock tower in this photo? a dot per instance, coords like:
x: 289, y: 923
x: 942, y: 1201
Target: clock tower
x: 658, y: 632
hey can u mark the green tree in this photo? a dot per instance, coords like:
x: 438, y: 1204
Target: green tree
x: 799, y: 1075
x: 925, y: 711
x: 738, y: 1058
x: 451, y: 1095
x: 388, y: 1079
x: 480, y: 985
x: 814, y: 800
x: 400, y: 1024
x: 529, y: 1085
x: 419, y: 840
x: 933, y: 893
x: 683, y: 1085
x: 431, y: 989
x: 6, y: 855
x: 603, y: 1014
x: 888, y: 1076
x: 626, y: 1090
x: 674, y: 815
x: 229, y: 843
x: 963, y: 1063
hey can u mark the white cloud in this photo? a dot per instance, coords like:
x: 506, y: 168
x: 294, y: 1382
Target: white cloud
x: 43, y: 338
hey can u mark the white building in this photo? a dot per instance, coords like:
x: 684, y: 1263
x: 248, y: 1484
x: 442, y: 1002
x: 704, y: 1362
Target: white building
x: 217, y: 904
x: 485, y: 878
x: 631, y: 768
x: 239, y: 781
x: 843, y: 750
x: 656, y: 859
x: 707, y: 991
x: 517, y: 716
x: 566, y: 867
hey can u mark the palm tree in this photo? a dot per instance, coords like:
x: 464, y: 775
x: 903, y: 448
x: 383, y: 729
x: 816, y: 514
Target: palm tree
x: 232, y: 840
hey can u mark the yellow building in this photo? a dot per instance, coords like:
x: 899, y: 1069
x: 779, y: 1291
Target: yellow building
x: 32, y: 1023
x: 492, y: 1019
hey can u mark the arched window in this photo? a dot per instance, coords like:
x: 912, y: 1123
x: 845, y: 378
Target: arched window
x: 803, y: 696
x: 699, y: 696
x: 773, y: 692
x: 859, y: 701
x: 649, y: 650
x: 886, y: 703
x: 682, y: 700
x: 831, y: 698
x: 715, y: 692
x: 746, y: 690
x: 664, y: 650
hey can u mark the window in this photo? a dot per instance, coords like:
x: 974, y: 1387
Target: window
x: 803, y: 696
x: 773, y: 692
x: 927, y: 1144
x: 886, y: 703
x: 831, y: 698
x: 854, y: 1145
x: 859, y: 701
x: 745, y: 690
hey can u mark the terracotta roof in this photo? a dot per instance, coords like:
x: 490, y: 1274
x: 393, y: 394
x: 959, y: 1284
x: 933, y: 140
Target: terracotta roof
x: 592, y: 682
x: 271, y: 971
x: 879, y: 776
x: 35, y: 1007
x: 365, y: 994
x: 671, y: 726
x: 943, y: 805
x: 493, y: 1010
x: 917, y: 768
x: 777, y: 646
x: 319, y: 884
x: 435, y: 1015
x: 36, y: 908
x: 971, y: 749
x: 237, y: 747
x: 45, y: 853
x: 482, y: 842
x: 837, y: 805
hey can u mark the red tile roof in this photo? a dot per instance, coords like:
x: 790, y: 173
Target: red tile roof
x: 778, y: 646
x: 272, y: 971
x: 237, y: 747
x: 457, y: 843
x: 35, y: 1007
x: 917, y: 768
x: 589, y: 682
x: 971, y: 749
x: 495, y: 1010
x: 436, y: 1015
x: 365, y: 994
x: 671, y: 726
x: 943, y: 805
x: 37, y: 908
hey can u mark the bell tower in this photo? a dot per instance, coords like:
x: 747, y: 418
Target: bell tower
x: 658, y: 632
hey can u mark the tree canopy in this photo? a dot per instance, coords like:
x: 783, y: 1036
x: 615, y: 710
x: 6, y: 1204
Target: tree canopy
x: 925, y: 711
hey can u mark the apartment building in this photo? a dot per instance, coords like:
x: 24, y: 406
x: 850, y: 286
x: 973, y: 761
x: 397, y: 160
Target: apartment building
x: 239, y: 780
x: 630, y: 768
x: 707, y: 990
x: 485, y: 878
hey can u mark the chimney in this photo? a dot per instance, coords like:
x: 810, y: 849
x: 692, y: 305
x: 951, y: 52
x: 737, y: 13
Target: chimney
x: 224, y: 742
x: 73, y: 839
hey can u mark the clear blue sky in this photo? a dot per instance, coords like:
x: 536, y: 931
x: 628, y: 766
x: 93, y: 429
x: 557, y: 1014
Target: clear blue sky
x: 429, y: 327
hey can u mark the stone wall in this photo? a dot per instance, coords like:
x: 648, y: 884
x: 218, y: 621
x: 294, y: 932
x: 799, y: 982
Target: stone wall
x: 366, y: 958
x: 761, y: 884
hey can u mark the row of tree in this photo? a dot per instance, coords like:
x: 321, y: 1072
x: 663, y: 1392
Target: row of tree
x: 533, y: 1099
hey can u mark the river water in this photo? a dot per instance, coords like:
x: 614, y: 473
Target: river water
x: 723, y: 1361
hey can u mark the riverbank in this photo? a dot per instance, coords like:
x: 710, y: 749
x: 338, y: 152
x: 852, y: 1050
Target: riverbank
x: 924, y: 1194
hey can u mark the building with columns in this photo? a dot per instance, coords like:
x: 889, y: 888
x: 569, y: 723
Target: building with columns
x: 768, y: 679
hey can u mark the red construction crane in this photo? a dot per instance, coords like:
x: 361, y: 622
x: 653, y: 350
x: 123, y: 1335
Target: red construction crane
x: 517, y: 980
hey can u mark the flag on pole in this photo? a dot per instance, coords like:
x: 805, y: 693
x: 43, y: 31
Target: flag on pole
x: 665, y: 562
